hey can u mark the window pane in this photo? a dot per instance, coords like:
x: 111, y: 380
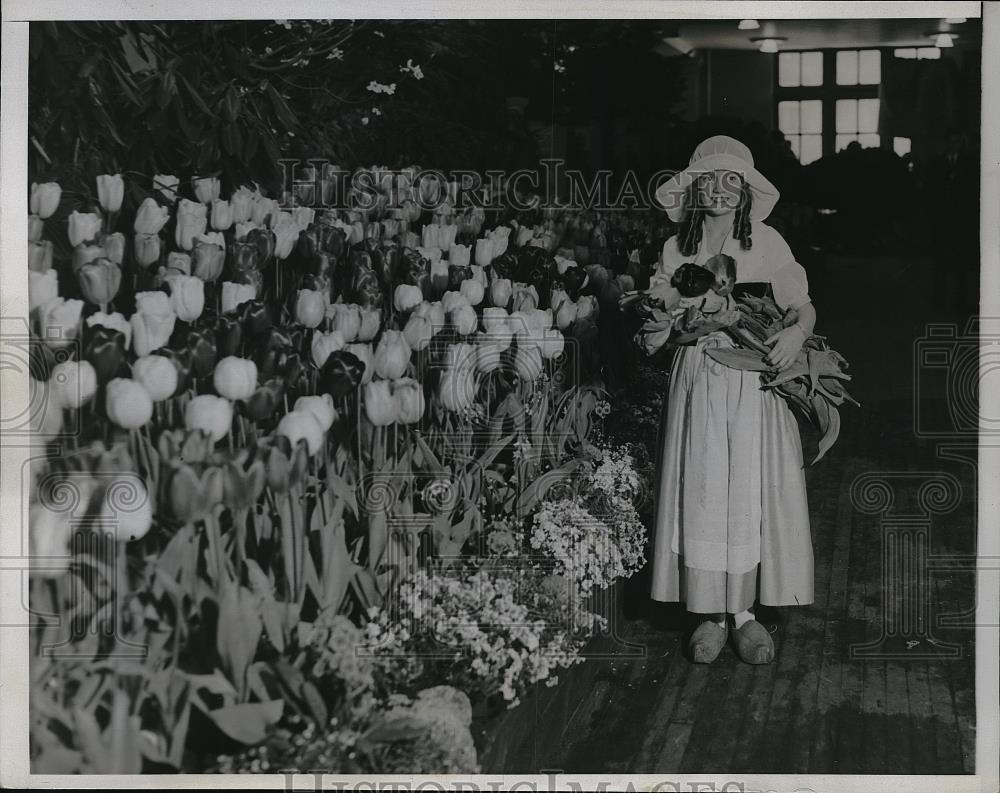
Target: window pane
x: 869, y: 141
x: 812, y: 148
x: 811, y: 115
x: 847, y: 115
x: 867, y: 115
x: 901, y: 146
x: 788, y: 70
x: 794, y: 140
x: 788, y: 117
x: 930, y: 53
x: 812, y: 68
x: 847, y: 67
x: 841, y: 141
x: 905, y: 52
x: 870, y: 67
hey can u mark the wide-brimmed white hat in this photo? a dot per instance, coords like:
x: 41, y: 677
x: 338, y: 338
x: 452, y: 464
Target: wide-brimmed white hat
x: 718, y: 153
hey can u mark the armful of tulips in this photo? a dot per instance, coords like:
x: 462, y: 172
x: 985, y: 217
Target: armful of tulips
x: 813, y: 385
x: 673, y: 319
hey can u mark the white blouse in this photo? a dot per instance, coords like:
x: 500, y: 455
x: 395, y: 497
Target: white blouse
x: 768, y: 260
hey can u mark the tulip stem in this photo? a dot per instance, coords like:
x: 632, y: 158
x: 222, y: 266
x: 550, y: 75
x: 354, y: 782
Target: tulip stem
x: 120, y: 585
x: 240, y: 522
x: 215, y: 545
x: 361, y: 451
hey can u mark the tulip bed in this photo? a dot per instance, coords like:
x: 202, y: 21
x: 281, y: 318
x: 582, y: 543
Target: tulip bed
x: 313, y: 481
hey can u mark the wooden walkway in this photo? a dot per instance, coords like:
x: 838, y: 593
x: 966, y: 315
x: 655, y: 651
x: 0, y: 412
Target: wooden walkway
x: 815, y: 709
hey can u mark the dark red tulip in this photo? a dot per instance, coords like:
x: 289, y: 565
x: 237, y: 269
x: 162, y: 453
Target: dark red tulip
x: 265, y: 400
x: 255, y: 317
x: 204, y: 354
x: 503, y: 265
x: 244, y: 256
x: 341, y: 374
x: 228, y: 334
x: 332, y: 240
x: 264, y: 240
x: 457, y: 274
x: 105, y: 349
x: 279, y: 360
x: 307, y: 247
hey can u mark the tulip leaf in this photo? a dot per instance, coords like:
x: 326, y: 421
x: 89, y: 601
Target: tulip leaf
x: 537, y: 489
x: 199, y: 102
x: 88, y: 731
x: 366, y: 587
x: 238, y: 632
x: 270, y: 613
x: 744, y: 360
x: 314, y: 702
x: 797, y: 369
x: 337, y: 567
x: 377, y: 537
x: 488, y: 456
x: 343, y: 491
x: 284, y: 113
x: 247, y: 723
x: 460, y: 531
x: 832, y: 431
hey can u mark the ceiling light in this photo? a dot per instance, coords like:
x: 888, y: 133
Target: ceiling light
x: 753, y: 24
x: 943, y: 40
x: 952, y: 20
x: 769, y: 44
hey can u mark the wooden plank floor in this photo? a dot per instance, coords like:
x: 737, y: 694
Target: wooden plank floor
x: 815, y: 709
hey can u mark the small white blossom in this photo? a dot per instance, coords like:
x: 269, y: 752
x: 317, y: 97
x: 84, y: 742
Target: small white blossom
x: 413, y: 69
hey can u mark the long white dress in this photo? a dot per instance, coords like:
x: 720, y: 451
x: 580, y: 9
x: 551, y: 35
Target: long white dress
x: 732, y: 519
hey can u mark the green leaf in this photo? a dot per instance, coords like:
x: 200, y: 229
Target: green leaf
x: 366, y: 587
x: 271, y: 614
x: 198, y: 101
x: 337, y: 568
x: 390, y: 729
x: 250, y: 142
x: 744, y: 360
x: 285, y: 115
x: 797, y: 369
x: 216, y: 683
x: 537, y: 489
x: 486, y: 459
x: 314, y: 701
x: 88, y: 732
x: 832, y: 431
x: 247, y: 723
x: 238, y: 633
x: 343, y: 490
x: 429, y: 458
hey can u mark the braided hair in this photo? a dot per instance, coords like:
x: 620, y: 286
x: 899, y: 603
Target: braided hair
x: 689, y: 235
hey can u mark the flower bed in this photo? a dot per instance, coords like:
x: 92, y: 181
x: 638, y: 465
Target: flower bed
x: 284, y: 467
x: 532, y: 737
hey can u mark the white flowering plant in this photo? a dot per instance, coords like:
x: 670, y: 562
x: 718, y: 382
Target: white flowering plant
x: 595, y: 534
x: 471, y: 629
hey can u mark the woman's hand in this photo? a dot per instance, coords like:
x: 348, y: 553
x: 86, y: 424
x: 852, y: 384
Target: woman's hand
x: 785, y: 346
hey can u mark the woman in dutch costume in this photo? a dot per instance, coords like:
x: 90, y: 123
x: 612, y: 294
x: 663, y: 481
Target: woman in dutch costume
x: 732, y: 520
